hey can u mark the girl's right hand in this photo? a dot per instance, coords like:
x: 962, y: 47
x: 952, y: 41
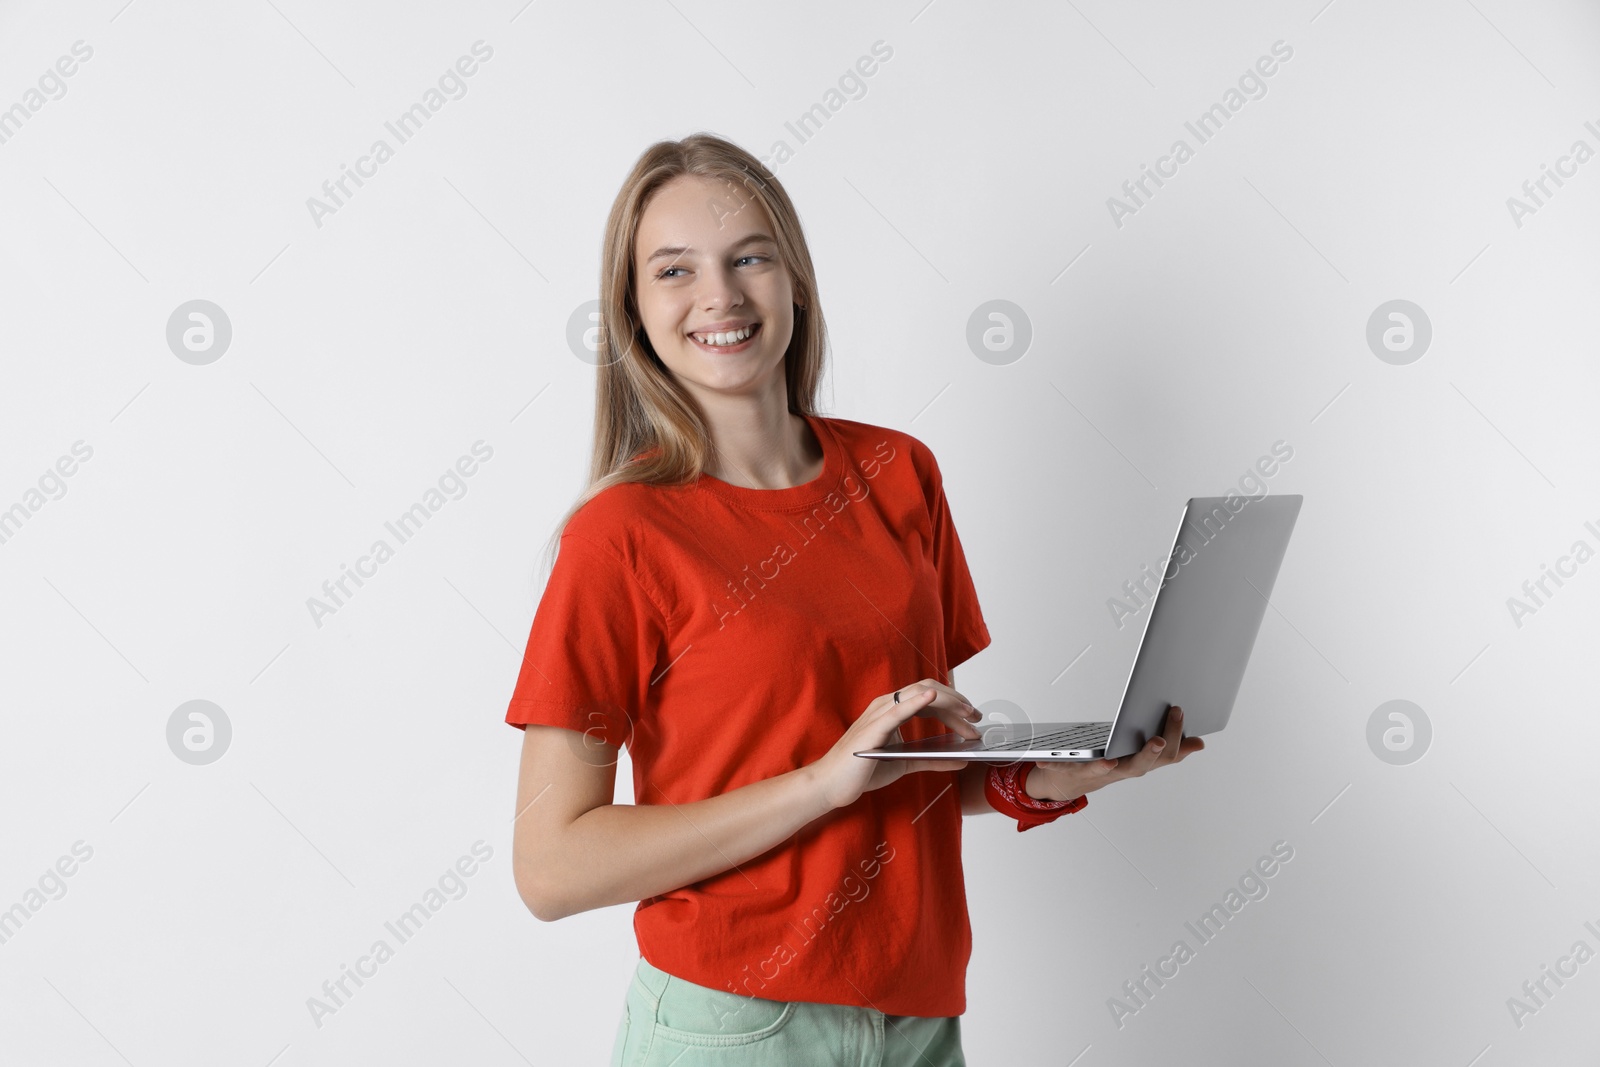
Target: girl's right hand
x: 842, y: 776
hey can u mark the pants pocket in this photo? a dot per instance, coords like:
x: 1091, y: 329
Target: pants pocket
x: 691, y: 1014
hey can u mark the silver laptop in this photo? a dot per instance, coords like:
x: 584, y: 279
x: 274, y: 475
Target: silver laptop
x: 1198, y: 634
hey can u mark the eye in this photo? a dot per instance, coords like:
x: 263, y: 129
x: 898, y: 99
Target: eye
x: 665, y: 271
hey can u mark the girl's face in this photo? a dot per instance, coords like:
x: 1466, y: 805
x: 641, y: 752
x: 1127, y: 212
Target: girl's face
x: 705, y: 262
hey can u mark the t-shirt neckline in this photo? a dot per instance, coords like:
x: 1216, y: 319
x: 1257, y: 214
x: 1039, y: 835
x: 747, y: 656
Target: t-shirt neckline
x: 796, y: 495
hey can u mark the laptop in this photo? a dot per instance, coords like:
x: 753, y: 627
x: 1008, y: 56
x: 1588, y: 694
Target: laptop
x: 1198, y: 633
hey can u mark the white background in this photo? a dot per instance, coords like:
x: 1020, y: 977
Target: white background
x: 430, y: 311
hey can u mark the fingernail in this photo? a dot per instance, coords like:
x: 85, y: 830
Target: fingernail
x: 1160, y: 743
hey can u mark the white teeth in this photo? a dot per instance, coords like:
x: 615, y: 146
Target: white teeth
x: 720, y: 339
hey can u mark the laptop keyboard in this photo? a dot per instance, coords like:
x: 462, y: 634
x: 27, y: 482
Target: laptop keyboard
x: 1083, y: 735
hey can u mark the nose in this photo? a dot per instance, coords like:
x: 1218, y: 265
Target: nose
x: 719, y: 288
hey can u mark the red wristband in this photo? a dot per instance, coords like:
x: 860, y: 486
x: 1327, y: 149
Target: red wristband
x: 1004, y: 786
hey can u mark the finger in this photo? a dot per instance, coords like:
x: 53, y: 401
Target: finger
x: 907, y: 692
x: 957, y: 700
x: 1077, y: 778
x: 1173, y: 734
x: 1098, y: 771
x: 879, y: 725
x: 948, y: 698
x: 1146, y: 757
x: 959, y: 696
x: 925, y: 683
x: 958, y: 715
x: 950, y: 710
x: 1100, y: 768
x: 910, y: 704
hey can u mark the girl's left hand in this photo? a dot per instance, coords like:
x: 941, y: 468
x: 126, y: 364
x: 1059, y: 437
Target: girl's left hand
x: 1069, y: 780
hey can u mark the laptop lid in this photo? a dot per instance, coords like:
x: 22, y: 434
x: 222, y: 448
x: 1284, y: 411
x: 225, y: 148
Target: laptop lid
x: 1202, y: 624
x: 1199, y: 630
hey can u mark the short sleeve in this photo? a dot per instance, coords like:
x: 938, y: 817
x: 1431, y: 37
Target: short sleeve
x: 594, y: 646
x: 965, y: 634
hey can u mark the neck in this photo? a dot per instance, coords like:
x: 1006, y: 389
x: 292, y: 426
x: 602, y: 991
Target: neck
x: 763, y: 447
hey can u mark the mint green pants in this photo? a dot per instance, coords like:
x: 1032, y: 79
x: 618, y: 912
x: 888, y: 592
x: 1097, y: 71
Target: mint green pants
x: 670, y: 1022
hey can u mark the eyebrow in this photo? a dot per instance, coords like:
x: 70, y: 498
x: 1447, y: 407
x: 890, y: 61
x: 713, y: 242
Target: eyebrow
x: 754, y: 238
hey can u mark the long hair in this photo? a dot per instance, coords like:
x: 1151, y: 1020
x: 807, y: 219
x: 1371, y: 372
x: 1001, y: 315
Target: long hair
x: 638, y: 406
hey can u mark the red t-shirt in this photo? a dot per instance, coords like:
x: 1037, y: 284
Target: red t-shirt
x: 727, y: 635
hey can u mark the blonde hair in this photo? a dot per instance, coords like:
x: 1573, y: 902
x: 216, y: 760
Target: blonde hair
x: 638, y: 405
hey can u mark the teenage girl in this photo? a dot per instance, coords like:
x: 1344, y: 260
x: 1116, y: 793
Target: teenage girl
x: 748, y: 593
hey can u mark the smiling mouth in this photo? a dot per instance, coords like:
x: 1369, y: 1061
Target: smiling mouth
x: 735, y: 340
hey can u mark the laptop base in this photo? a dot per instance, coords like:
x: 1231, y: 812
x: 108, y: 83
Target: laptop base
x: 1008, y: 743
